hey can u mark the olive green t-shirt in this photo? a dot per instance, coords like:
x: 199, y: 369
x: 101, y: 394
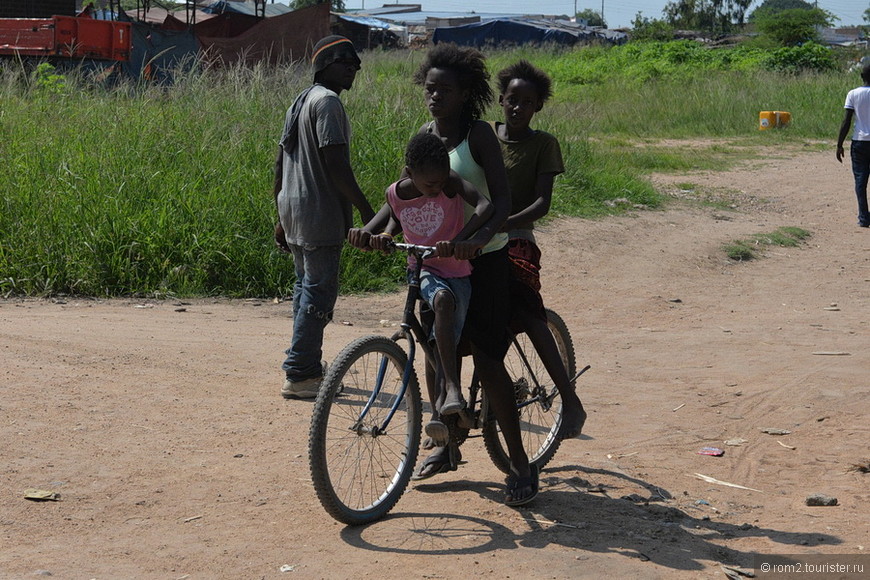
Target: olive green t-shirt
x: 524, y: 161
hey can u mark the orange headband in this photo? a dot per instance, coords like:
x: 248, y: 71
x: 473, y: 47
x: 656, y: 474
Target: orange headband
x: 330, y: 45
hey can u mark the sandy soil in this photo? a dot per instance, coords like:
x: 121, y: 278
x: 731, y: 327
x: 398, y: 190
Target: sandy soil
x: 161, y: 427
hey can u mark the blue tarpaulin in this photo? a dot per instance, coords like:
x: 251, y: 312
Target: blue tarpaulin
x: 516, y: 32
x: 158, y: 53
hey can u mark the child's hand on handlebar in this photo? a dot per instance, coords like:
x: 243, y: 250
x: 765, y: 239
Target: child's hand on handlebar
x: 364, y: 240
x: 359, y: 238
x: 382, y: 242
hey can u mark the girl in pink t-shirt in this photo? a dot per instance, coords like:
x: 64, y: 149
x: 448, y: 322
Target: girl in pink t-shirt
x: 429, y: 204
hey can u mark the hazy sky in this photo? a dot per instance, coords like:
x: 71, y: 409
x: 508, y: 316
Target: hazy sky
x: 617, y: 13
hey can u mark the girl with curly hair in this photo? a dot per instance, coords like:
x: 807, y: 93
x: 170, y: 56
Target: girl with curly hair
x: 456, y: 89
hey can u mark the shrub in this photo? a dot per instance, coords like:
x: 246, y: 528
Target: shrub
x: 795, y: 26
x: 795, y: 59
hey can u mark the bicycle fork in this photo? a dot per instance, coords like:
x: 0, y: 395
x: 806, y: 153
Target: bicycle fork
x: 407, y: 332
x: 410, y: 328
x: 376, y: 430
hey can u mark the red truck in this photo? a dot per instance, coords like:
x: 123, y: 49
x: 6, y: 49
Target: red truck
x: 73, y: 37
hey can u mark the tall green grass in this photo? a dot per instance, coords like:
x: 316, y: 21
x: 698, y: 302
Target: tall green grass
x: 683, y: 89
x: 133, y: 189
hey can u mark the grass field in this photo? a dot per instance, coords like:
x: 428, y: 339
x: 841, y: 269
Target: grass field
x: 133, y: 189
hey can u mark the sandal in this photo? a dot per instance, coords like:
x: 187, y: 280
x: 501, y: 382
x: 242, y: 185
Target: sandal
x: 516, y: 483
x: 437, y: 462
x: 439, y: 434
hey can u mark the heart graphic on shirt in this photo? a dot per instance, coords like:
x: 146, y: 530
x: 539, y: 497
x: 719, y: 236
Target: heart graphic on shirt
x: 422, y: 221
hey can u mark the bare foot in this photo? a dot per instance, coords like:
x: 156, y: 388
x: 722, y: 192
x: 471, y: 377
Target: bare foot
x: 573, y: 418
x: 453, y: 402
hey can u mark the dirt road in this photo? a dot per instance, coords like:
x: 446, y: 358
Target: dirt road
x: 161, y: 427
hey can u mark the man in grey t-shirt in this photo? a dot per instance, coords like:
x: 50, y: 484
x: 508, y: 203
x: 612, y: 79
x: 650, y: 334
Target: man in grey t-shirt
x: 315, y: 192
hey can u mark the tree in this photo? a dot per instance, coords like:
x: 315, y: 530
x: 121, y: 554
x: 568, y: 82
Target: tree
x: 337, y: 5
x: 687, y: 14
x: 795, y: 26
x: 642, y: 28
x: 772, y: 7
x: 738, y: 10
x: 591, y: 17
x: 132, y: 5
x: 716, y: 16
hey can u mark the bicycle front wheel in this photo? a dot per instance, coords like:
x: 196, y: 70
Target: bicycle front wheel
x: 538, y: 401
x: 361, y: 457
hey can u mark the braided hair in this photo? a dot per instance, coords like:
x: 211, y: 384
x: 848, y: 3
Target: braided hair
x: 426, y: 150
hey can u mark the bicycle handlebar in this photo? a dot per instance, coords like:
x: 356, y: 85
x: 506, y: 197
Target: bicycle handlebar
x: 421, y: 251
x: 414, y: 248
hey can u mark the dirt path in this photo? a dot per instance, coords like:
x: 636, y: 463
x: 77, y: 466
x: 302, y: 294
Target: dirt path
x: 160, y: 424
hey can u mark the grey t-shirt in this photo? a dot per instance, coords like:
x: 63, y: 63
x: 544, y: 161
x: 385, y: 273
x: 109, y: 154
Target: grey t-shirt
x: 311, y: 210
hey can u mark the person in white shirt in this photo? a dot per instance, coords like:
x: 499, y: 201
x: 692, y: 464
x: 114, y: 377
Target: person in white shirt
x: 858, y: 109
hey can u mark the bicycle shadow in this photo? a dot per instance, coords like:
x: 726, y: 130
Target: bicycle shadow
x: 567, y: 514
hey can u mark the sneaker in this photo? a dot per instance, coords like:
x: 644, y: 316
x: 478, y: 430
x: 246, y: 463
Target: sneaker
x: 304, y: 389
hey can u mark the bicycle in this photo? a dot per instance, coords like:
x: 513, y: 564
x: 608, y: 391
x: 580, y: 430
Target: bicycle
x: 365, y: 429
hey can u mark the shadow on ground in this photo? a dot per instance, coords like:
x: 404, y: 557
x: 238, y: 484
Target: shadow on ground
x: 568, y: 514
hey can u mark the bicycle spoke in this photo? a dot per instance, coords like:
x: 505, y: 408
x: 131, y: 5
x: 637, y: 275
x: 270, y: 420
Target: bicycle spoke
x: 538, y: 400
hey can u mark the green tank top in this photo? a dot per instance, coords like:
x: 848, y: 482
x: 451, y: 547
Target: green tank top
x: 463, y: 163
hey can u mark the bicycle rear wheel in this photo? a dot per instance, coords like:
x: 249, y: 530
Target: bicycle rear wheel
x: 360, y: 466
x: 538, y: 400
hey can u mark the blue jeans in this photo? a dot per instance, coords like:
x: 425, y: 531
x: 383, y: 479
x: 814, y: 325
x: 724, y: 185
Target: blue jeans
x: 314, y: 296
x: 860, y: 153
x: 459, y: 288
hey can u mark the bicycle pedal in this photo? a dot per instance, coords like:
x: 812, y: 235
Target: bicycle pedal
x: 580, y: 372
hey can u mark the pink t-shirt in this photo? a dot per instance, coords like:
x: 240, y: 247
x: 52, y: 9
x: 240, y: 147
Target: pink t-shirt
x: 427, y: 220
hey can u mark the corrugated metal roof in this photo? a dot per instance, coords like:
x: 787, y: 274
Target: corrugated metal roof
x: 420, y: 17
x: 839, y: 36
x: 364, y: 20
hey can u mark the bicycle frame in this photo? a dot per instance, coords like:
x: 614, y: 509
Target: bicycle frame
x: 412, y: 330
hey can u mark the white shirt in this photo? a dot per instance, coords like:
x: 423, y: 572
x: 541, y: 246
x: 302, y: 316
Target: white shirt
x: 859, y: 101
